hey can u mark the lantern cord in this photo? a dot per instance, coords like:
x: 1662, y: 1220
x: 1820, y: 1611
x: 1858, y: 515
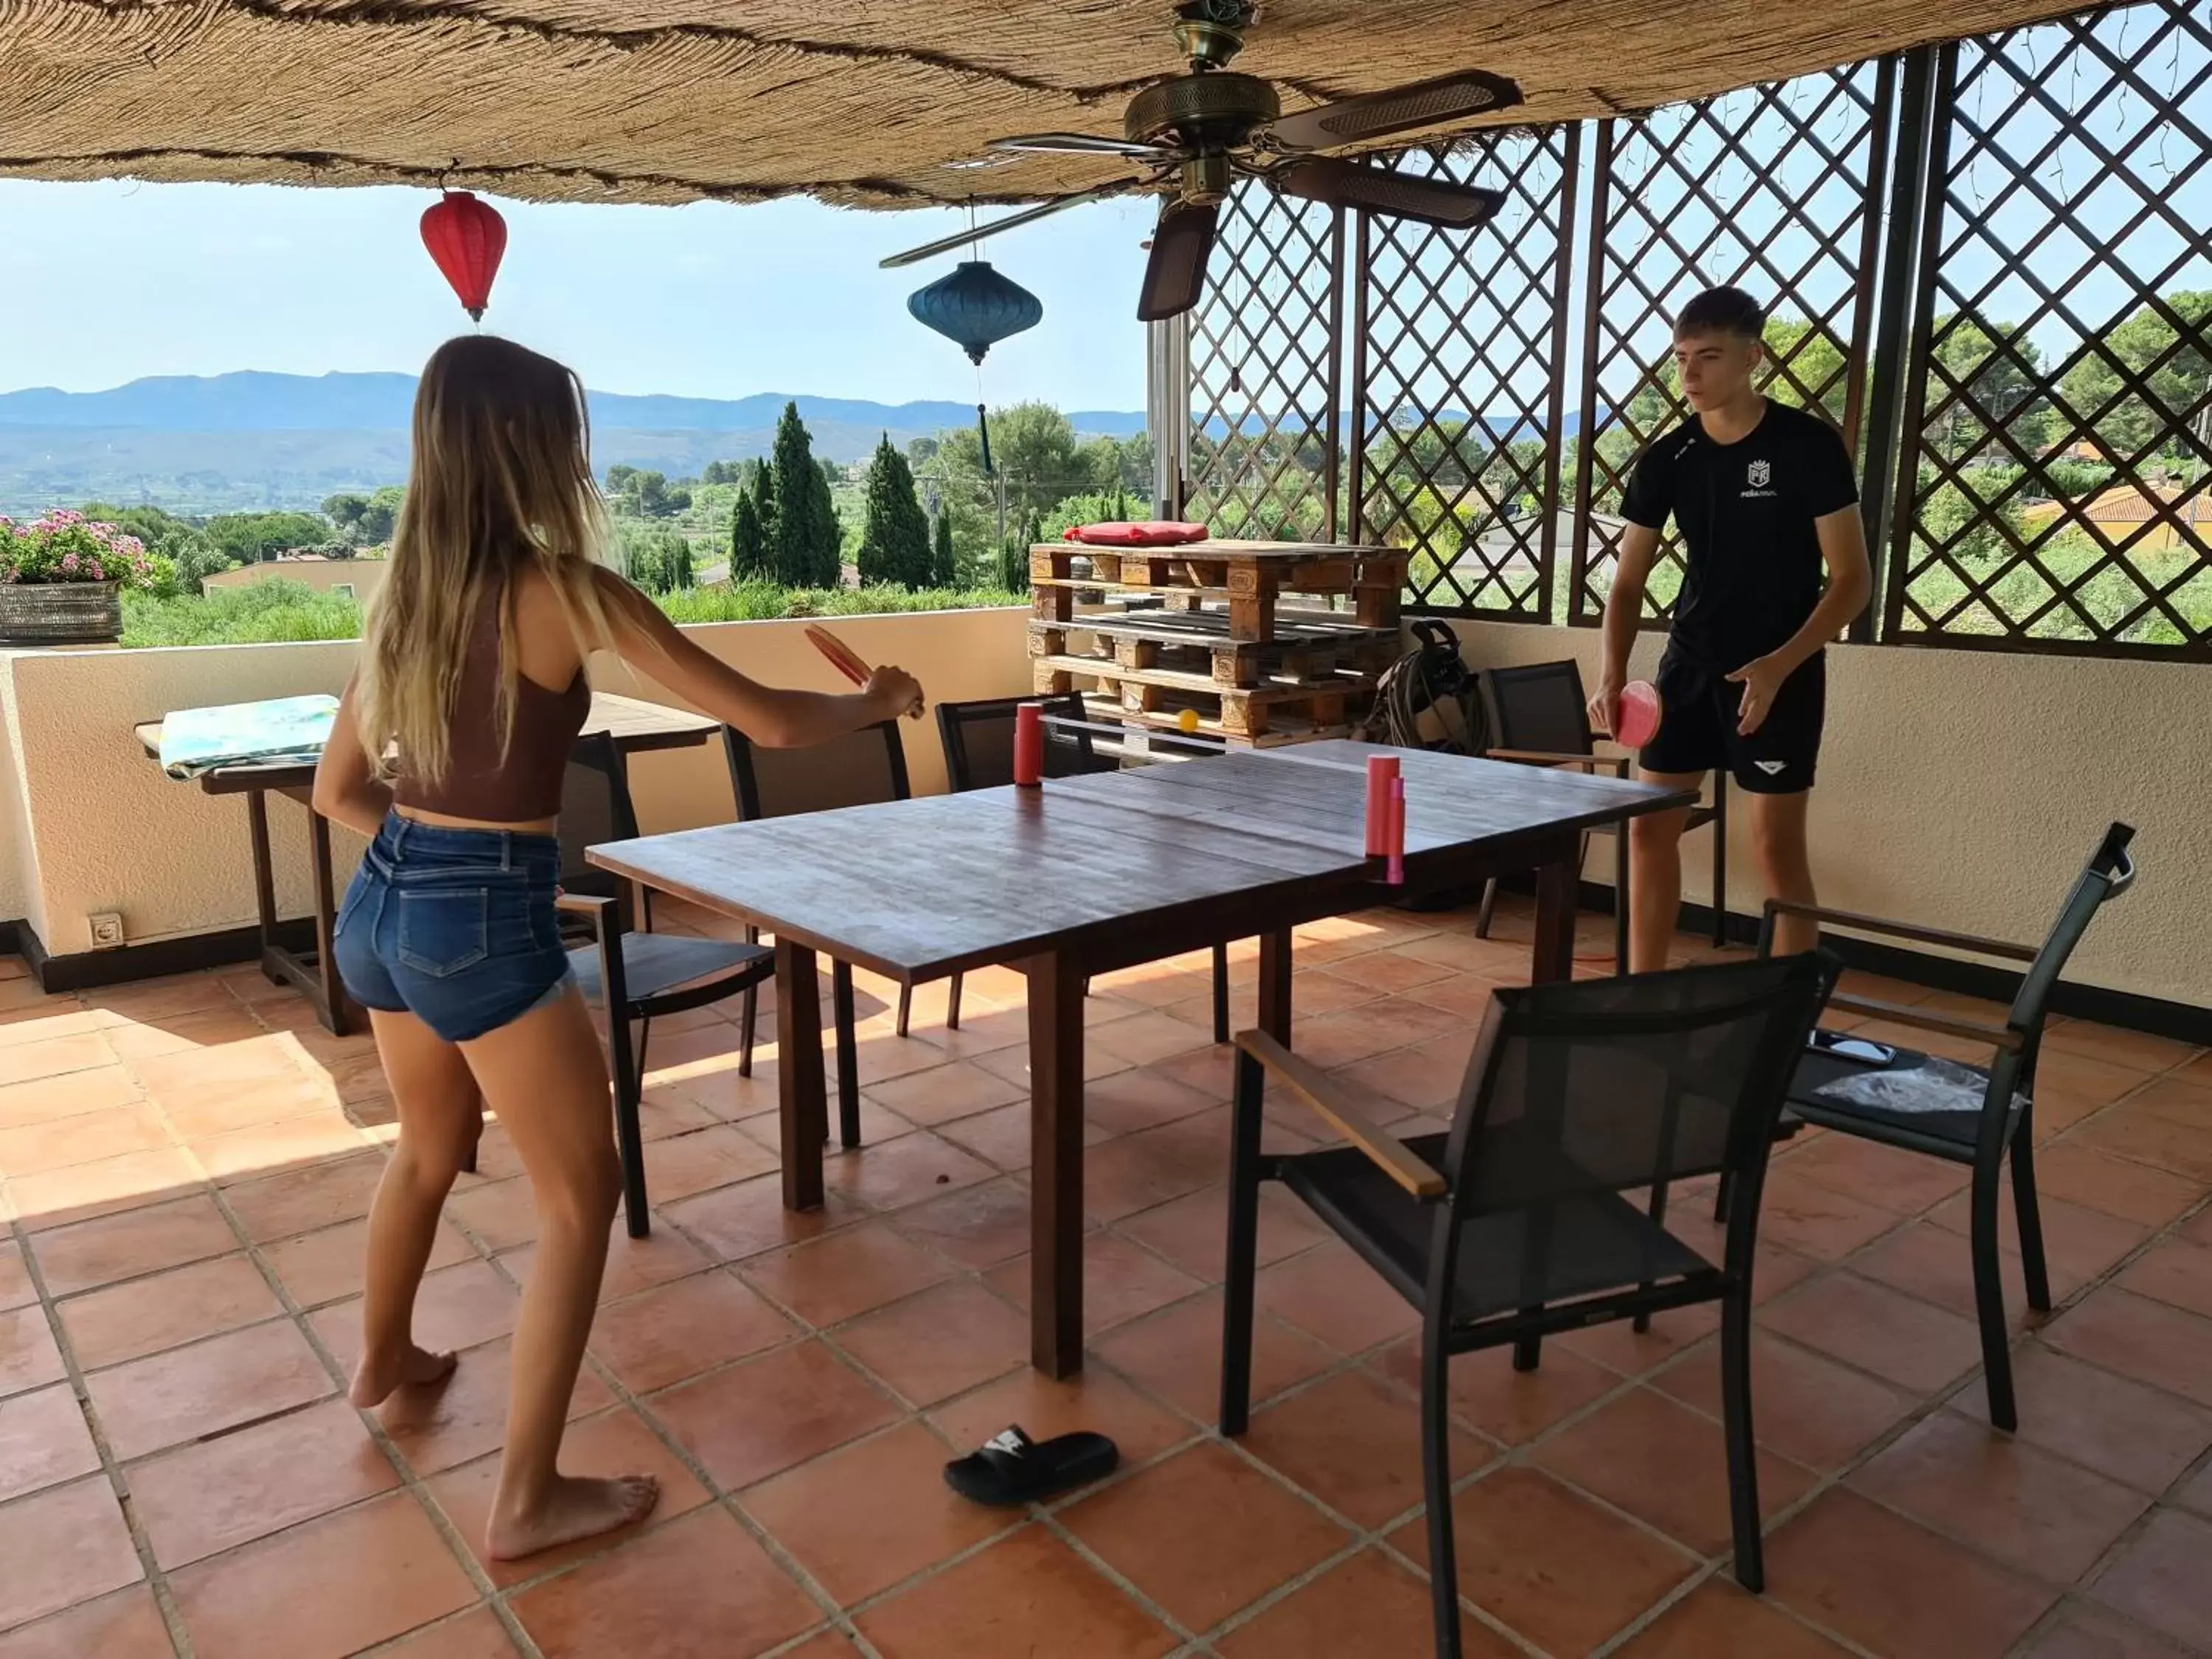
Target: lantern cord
x: 982, y: 421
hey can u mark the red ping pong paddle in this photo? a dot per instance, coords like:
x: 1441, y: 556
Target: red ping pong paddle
x: 841, y: 656
x: 1637, y: 722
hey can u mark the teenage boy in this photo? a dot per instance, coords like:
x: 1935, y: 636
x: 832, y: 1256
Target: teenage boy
x: 1763, y: 496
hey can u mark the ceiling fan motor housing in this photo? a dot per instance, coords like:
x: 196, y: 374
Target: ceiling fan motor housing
x: 1217, y: 111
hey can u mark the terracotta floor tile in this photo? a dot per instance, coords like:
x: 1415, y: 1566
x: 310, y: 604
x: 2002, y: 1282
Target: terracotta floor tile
x: 699, y: 1588
x: 102, y: 1089
x: 1121, y: 1281
x: 191, y: 1392
x: 1355, y: 1445
x: 1129, y: 1101
x: 1897, y: 1589
x: 1802, y: 1214
x: 1093, y: 1400
x: 1132, y: 1174
x: 227, y: 1107
x: 29, y: 1357
x: 43, y: 1441
x: 736, y: 1223
x: 768, y: 1415
x: 2197, y: 1494
x: 46, y: 1019
x: 62, y: 1547
x: 2078, y: 1243
x: 2116, y: 1186
x: 1143, y: 1038
x: 2030, y: 1509
x: 200, y: 1035
x: 1334, y: 1296
x: 251, y: 1153
x: 145, y: 1315
x: 475, y: 1635
x: 633, y: 1264
x: 1895, y: 1337
x: 831, y: 1279
x: 136, y: 1127
x: 455, y: 1307
x: 1369, y: 1605
x: 465, y: 1416
x: 941, y: 1343
x: 85, y: 1190
x: 1808, y: 1408
x: 302, y: 1201
x: 1886, y: 1177
x: 96, y: 1252
x: 684, y: 1165
x: 955, y: 1089
x: 377, y: 1570
x: 1619, y: 1347
x: 501, y: 1214
x: 16, y: 1289
x: 27, y: 1062
x: 614, y: 1442
x: 2160, y: 1579
x: 1668, y: 1467
x: 1488, y: 1394
x: 1936, y: 1265
x: 1000, y: 1137
x: 1717, y: 1620
x: 127, y: 1624
x: 2137, y: 1434
x: 2139, y: 1048
x: 1425, y: 1077
x: 978, y: 1226
x: 1029, y: 1594
x: 2139, y: 1337
x: 2156, y: 1132
x: 217, y: 1493
x: 2174, y: 1272
x: 327, y: 1266
x: 2075, y: 1077
x: 1011, y: 1063
x: 896, y: 1173
x: 673, y: 1331
x: 2083, y: 1632
x: 1192, y: 1231
x: 864, y: 1517
x: 1204, y: 1534
x: 152, y: 998
x: 1519, y: 1535
x: 1176, y: 1356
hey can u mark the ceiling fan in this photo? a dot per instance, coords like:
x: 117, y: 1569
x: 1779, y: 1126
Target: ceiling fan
x: 1197, y: 133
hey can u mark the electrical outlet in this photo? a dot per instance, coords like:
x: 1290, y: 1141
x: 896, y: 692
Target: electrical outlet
x: 107, y: 930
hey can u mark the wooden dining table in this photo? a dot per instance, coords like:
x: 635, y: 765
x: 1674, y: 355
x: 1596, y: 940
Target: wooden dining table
x: 1086, y: 875
x: 636, y: 725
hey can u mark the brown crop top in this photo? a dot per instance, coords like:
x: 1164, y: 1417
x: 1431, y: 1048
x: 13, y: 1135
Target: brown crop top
x: 478, y: 783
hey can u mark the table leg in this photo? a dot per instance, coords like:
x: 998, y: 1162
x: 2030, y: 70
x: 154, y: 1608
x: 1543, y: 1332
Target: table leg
x: 1557, y: 881
x: 802, y: 1099
x: 336, y: 1010
x: 848, y: 1056
x: 1275, y: 985
x: 265, y: 875
x: 1056, y: 999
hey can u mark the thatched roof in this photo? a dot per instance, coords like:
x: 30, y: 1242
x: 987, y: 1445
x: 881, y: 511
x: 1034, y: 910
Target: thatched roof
x: 862, y: 102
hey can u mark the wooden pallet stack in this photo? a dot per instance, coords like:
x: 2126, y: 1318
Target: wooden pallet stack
x: 1150, y: 634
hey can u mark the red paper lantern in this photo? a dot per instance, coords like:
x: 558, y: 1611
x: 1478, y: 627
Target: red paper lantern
x: 466, y: 238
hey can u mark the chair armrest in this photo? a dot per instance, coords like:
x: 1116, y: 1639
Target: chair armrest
x: 1974, y: 1030
x: 1544, y: 757
x: 1329, y: 1097
x: 1987, y: 947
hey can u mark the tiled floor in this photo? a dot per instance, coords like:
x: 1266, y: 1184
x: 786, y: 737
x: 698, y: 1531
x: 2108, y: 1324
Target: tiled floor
x: 186, y: 1164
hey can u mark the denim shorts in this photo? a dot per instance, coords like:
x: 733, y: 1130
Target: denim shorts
x: 455, y: 926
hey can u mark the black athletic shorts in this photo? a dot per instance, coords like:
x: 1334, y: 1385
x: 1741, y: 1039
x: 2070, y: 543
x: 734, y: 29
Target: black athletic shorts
x: 1698, y: 727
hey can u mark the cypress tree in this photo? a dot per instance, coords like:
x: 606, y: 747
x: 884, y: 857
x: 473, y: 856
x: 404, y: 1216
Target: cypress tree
x: 804, y: 518
x: 764, y: 494
x: 751, y: 559
x: 944, y: 568
x: 895, y: 534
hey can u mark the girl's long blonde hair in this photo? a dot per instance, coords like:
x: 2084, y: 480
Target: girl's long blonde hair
x: 501, y: 483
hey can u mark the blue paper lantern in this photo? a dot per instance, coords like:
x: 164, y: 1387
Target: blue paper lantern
x: 975, y: 307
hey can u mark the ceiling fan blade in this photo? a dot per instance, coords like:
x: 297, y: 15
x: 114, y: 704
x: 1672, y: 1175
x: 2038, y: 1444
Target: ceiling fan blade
x: 1175, y: 276
x: 1396, y: 195
x: 915, y: 255
x: 1079, y: 144
x: 1401, y: 109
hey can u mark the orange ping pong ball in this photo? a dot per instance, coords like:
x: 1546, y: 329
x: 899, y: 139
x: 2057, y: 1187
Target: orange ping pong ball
x: 1187, y: 719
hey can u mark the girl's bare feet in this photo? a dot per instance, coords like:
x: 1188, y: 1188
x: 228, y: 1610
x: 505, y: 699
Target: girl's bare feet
x: 379, y: 1375
x: 573, y: 1509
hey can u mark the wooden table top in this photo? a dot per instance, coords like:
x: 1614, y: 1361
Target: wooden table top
x: 918, y: 889
x: 635, y: 724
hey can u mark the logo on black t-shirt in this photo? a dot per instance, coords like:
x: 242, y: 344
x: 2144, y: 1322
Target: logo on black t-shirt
x: 1762, y: 474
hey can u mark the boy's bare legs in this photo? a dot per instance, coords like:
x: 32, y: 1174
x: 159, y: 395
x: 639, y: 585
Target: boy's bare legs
x: 1654, y: 875
x: 1785, y: 867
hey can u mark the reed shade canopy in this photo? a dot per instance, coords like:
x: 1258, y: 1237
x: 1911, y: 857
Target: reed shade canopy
x: 675, y: 100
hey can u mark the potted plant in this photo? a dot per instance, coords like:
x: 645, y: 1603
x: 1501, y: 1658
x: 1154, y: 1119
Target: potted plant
x: 61, y: 578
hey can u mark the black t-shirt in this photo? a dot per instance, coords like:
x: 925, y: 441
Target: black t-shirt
x: 1745, y: 512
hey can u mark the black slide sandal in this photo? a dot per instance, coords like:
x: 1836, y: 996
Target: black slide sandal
x: 1012, y: 1468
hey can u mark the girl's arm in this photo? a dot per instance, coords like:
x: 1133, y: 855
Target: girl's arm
x: 347, y: 789
x: 771, y: 716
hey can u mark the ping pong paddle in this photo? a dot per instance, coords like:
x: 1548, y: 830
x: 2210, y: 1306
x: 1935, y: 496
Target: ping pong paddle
x: 1638, y: 721
x: 843, y: 658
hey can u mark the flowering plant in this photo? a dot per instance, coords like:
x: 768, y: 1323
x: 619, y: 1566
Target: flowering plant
x: 65, y: 546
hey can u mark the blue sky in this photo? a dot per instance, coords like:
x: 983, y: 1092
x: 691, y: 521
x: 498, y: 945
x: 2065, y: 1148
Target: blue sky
x: 105, y: 282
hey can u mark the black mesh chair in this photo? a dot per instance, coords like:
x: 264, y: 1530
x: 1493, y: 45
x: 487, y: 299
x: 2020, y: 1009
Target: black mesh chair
x: 1969, y: 1115
x: 1520, y: 1223
x: 631, y: 976
x: 979, y: 754
x: 858, y: 769
x: 1539, y: 716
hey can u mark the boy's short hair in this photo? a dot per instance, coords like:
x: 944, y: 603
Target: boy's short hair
x: 1722, y: 311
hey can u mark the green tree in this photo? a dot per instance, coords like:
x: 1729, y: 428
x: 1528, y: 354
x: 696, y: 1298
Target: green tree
x: 1808, y: 366
x: 1998, y: 367
x: 808, y: 552
x: 2179, y: 380
x: 894, y: 546
x: 763, y: 494
x: 345, y: 512
x: 943, y: 566
x: 382, y: 516
x: 1034, y: 445
x: 251, y: 537
x: 751, y: 559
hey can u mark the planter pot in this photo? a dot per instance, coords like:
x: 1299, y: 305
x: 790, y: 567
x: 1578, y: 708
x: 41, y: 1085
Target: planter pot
x: 60, y: 613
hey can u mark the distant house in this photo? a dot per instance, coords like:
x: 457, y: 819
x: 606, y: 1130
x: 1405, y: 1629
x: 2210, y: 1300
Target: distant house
x: 2119, y: 514
x: 352, y: 579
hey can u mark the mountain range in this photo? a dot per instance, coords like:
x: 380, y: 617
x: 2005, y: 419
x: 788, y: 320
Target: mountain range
x: 251, y: 441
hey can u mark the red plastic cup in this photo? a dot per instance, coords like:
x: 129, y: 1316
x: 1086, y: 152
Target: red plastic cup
x: 1381, y: 769
x: 1397, y: 856
x: 1638, y: 721
x: 1029, y: 744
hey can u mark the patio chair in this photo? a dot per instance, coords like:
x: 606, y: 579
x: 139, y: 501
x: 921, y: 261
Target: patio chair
x: 631, y: 976
x: 861, y: 768
x: 1539, y: 716
x: 979, y: 754
x: 1520, y: 1223
x: 1969, y: 1115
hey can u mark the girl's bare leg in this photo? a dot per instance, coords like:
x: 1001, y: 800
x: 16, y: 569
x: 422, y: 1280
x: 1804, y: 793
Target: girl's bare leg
x: 544, y: 1077
x: 439, y: 1112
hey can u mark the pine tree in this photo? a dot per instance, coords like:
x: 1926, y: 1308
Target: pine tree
x: 895, y: 534
x: 944, y: 568
x: 804, y: 517
x: 751, y: 558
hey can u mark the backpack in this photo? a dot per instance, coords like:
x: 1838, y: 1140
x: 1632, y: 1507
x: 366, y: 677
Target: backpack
x: 1430, y: 698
